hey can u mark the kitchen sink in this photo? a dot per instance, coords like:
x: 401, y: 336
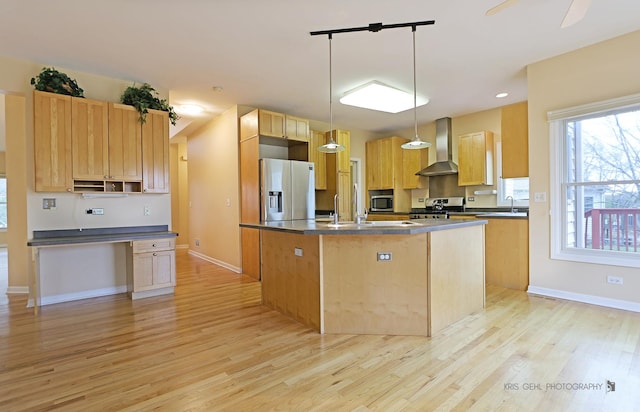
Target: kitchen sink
x: 375, y: 223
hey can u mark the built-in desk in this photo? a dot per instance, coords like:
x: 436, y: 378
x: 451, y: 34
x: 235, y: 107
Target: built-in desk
x: 139, y: 260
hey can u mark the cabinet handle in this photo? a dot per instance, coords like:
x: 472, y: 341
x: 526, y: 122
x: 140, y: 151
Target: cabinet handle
x: 154, y: 245
x: 155, y: 254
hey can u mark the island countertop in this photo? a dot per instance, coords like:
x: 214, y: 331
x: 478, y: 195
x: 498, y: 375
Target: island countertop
x: 312, y: 227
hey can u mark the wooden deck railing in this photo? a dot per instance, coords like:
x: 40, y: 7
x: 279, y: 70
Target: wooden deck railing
x: 612, y: 229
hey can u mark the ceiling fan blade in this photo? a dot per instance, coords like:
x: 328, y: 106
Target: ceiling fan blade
x: 500, y: 7
x: 576, y: 12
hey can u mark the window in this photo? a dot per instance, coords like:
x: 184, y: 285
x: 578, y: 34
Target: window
x: 3, y: 202
x: 517, y: 188
x: 596, y: 215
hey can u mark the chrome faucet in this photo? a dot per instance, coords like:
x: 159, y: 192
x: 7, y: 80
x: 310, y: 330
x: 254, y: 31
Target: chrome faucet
x: 335, y: 209
x: 358, y: 218
x: 512, y: 209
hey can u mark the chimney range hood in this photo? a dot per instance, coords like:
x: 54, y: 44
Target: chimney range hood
x: 444, y: 141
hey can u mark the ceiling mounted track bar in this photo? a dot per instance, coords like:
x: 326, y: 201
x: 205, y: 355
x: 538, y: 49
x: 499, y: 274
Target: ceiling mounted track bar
x: 374, y: 27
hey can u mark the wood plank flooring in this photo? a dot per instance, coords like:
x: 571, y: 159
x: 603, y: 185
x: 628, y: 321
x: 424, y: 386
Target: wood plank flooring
x: 214, y: 347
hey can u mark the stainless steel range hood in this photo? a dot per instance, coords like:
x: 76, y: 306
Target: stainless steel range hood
x: 444, y: 141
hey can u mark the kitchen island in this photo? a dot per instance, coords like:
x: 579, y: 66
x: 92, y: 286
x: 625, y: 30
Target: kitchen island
x: 397, y: 278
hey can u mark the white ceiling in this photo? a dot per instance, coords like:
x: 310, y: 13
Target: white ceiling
x: 262, y: 55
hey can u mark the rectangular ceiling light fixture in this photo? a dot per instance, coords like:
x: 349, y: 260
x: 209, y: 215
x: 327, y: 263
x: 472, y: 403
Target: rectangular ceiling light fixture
x: 378, y: 96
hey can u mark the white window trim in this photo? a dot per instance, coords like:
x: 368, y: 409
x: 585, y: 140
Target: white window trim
x: 557, y: 149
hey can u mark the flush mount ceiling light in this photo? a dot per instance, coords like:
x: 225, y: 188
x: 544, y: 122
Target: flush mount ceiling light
x: 189, y: 109
x: 502, y: 95
x: 416, y: 142
x: 378, y: 96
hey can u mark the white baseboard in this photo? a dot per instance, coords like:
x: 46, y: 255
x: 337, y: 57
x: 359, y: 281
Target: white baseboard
x: 18, y: 289
x: 85, y: 294
x: 216, y: 261
x: 152, y: 293
x: 591, y: 299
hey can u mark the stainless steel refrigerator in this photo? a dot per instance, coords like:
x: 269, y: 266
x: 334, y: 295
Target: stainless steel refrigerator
x: 287, y: 190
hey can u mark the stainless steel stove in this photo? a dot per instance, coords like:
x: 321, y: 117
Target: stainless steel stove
x: 438, y: 208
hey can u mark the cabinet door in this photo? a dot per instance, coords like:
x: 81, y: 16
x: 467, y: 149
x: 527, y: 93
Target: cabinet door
x: 319, y: 159
x: 386, y: 163
x: 343, y: 137
x: 515, y: 140
x: 164, y: 268
x: 89, y: 138
x: 250, y: 252
x: 52, y: 142
x: 155, y: 152
x: 475, y: 151
x: 344, y: 191
x: 271, y: 124
x: 249, y: 181
x: 125, y: 143
x: 412, y: 162
x: 297, y: 128
x: 372, y: 168
x: 142, y: 271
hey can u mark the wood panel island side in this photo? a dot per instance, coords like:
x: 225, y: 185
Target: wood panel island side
x: 411, y: 278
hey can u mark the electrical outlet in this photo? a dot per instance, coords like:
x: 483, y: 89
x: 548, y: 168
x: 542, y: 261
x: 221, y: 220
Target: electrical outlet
x: 297, y: 251
x: 95, y: 211
x: 615, y: 280
x: 471, y: 199
x: 147, y: 210
x: 384, y: 256
x: 49, y: 203
x: 228, y: 202
x: 197, y: 242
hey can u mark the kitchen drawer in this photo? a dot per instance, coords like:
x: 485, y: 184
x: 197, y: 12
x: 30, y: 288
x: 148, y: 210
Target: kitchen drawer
x: 153, y: 245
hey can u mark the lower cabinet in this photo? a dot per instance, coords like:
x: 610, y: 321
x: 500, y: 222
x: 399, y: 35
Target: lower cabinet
x: 151, y: 267
x: 507, y: 253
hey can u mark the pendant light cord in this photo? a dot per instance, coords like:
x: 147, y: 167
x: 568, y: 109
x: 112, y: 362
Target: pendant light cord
x: 415, y: 99
x: 330, y: 91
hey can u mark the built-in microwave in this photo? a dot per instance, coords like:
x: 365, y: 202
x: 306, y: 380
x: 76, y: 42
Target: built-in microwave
x: 381, y: 203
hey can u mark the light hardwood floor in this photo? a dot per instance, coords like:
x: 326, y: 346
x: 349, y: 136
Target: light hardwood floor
x: 213, y: 346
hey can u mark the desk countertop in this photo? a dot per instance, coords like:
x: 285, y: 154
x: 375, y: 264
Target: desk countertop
x: 98, y: 235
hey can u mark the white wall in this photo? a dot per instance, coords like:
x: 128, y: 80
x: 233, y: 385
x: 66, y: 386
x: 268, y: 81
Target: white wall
x: 603, y: 71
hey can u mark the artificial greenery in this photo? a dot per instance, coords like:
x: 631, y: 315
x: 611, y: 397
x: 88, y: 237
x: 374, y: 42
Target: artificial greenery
x: 51, y: 80
x: 143, y: 98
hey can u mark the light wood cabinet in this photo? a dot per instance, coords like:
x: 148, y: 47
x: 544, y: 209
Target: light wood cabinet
x: 125, y: 143
x: 338, y: 167
x: 296, y: 128
x: 84, y: 145
x: 385, y: 169
x: 515, y: 140
x: 151, y: 267
x: 52, y: 142
x: 412, y: 162
x: 507, y: 252
x: 155, y: 152
x: 475, y: 159
x: 318, y: 158
x: 250, y: 204
x: 271, y: 124
x: 90, y: 138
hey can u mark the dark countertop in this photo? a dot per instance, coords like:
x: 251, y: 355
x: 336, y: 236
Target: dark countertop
x: 311, y: 227
x: 98, y: 235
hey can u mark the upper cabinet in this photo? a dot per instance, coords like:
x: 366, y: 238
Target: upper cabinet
x: 475, y: 159
x: 52, y: 142
x: 282, y: 126
x: 412, y: 162
x: 296, y: 128
x: 90, y: 138
x: 155, y: 152
x: 385, y: 169
x: 515, y: 140
x: 271, y: 124
x: 84, y: 145
x: 319, y: 159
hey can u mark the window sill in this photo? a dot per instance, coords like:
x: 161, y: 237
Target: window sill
x: 602, y: 257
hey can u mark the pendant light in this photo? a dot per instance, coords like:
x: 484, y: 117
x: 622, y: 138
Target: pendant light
x: 416, y: 142
x: 331, y: 146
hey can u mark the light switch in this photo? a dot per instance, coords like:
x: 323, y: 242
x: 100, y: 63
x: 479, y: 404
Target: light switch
x: 297, y: 251
x: 540, y: 197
